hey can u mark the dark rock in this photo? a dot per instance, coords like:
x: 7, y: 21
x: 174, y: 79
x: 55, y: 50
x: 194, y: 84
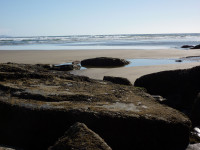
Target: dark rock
x: 67, y: 67
x: 193, y: 147
x: 117, y: 80
x: 178, y: 60
x: 78, y: 137
x: 196, y: 111
x: 37, y: 125
x: 179, y: 87
x: 104, y: 62
x: 187, y: 46
x: 196, y: 47
x: 38, y: 105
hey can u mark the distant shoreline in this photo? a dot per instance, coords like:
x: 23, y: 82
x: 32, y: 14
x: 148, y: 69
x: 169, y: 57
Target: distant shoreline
x: 116, y: 41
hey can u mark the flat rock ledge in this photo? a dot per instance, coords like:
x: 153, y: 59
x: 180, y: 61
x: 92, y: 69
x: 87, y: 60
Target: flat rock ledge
x: 104, y: 62
x: 79, y: 136
x: 38, y: 105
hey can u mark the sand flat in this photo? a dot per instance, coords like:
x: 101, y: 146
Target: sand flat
x: 132, y: 73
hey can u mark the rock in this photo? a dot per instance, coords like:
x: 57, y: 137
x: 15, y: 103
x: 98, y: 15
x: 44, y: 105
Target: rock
x: 104, y: 62
x: 38, y: 105
x: 193, y: 147
x: 66, y: 67
x: 7, y: 148
x: 179, y: 87
x: 117, y: 80
x: 196, y: 47
x: 79, y: 136
x: 196, y: 111
x: 76, y: 62
x: 187, y: 46
x: 159, y: 98
x: 178, y: 60
x: 195, y: 135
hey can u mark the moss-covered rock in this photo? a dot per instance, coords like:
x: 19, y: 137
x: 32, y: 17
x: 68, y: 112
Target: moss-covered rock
x: 35, y: 111
x: 78, y: 137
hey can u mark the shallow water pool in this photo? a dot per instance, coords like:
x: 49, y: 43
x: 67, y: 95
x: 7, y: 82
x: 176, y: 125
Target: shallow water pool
x: 145, y: 62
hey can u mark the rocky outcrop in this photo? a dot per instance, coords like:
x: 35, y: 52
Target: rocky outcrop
x: 196, y: 47
x: 187, y: 46
x: 117, y: 80
x: 79, y: 136
x: 37, y: 105
x: 104, y: 62
x: 179, y: 87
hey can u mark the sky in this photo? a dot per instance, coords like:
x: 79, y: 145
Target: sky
x: 94, y: 17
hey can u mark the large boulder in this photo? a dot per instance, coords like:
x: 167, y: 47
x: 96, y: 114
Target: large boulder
x: 179, y: 87
x: 104, y: 62
x: 38, y: 105
x: 196, y: 47
x: 78, y: 137
x: 117, y: 80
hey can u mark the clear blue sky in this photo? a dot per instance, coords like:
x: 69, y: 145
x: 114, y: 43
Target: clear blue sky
x: 73, y: 17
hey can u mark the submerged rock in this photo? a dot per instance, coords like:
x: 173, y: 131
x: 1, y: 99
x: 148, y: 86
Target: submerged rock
x: 104, y: 62
x: 117, y: 80
x: 78, y: 137
x: 38, y: 105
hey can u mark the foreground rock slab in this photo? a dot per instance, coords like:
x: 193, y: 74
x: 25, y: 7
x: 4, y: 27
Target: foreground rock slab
x: 37, y: 105
x: 79, y: 136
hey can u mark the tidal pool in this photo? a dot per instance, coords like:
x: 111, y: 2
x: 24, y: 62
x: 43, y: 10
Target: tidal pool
x: 148, y: 62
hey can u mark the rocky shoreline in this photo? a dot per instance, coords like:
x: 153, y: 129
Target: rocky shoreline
x: 39, y: 104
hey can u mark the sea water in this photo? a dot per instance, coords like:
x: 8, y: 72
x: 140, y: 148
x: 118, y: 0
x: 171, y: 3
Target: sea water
x: 81, y: 42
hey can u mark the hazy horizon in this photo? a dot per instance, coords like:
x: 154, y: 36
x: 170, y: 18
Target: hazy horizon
x: 94, y: 34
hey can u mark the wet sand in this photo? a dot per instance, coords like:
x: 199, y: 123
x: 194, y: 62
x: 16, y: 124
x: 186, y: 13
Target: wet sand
x: 132, y: 73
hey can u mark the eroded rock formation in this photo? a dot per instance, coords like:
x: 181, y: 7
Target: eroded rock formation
x: 37, y: 105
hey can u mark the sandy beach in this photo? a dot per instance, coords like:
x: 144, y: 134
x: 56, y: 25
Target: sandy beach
x: 132, y: 73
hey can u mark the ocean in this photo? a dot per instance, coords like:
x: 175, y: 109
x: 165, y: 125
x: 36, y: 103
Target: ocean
x: 81, y: 42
